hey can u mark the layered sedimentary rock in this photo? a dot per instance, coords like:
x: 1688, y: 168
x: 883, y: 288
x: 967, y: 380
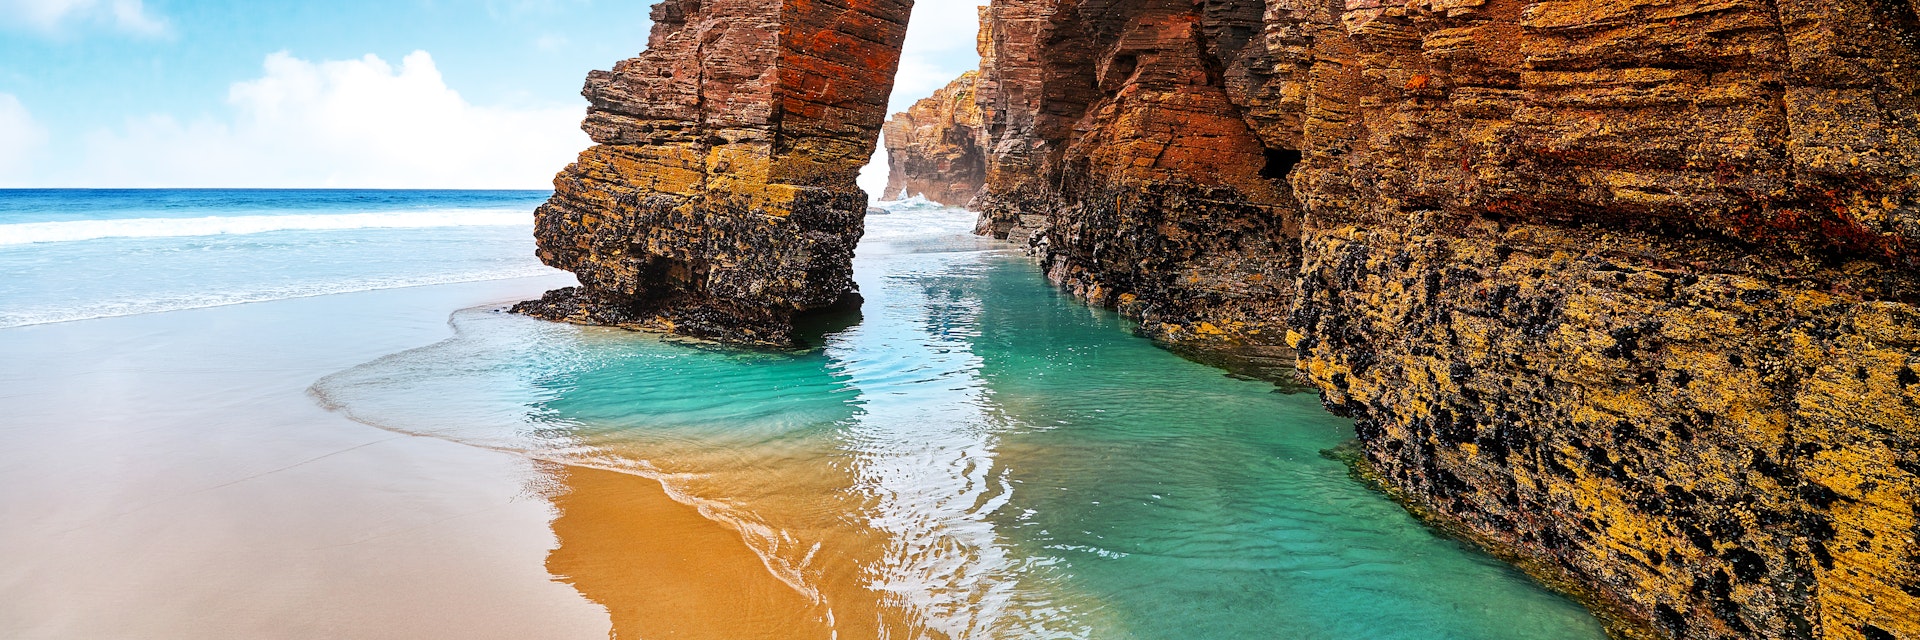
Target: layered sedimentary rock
x: 719, y: 199
x: 1624, y: 288
x: 1630, y: 287
x: 934, y: 148
x: 1123, y: 150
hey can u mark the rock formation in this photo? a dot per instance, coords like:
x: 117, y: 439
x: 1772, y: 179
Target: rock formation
x: 1123, y: 149
x: 934, y: 147
x: 1629, y: 287
x: 1623, y: 289
x: 719, y: 199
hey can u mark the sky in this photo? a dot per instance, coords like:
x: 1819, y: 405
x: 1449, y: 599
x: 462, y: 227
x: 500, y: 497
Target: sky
x: 336, y: 93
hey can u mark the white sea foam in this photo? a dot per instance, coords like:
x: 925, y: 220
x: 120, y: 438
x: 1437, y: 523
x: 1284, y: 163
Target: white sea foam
x: 919, y: 225
x: 80, y: 230
x: 913, y: 203
x: 111, y: 308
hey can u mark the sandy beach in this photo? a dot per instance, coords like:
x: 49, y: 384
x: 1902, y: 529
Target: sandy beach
x: 167, y: 476
x: 967, y: 460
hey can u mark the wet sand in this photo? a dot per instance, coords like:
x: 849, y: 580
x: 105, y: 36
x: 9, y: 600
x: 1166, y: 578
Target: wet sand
x: 657, y: 564
x: 175, y: 476
x: 167, y: 476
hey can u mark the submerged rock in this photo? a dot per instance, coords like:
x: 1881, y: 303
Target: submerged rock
x: 719, y: 199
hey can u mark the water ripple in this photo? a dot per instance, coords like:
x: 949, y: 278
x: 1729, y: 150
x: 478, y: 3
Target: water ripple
x: 977, y: 458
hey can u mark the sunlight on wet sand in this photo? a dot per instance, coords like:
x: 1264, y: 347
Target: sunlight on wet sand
x: 976, y: 458
x: 662, y: 570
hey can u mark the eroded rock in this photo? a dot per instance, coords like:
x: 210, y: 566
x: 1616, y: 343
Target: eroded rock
x: 1126, y: 155
x: 1630, y: 287
x: 934, y: 148
x: 1625, y: 288
x: 719, y: 199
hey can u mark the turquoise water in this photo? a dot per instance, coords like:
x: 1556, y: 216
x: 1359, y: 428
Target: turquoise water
x: 980, y: 455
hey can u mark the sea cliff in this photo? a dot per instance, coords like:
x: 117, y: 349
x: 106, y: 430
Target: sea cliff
x: 1127, y: 155
x: 934, y: 148
x: 1625, y: 291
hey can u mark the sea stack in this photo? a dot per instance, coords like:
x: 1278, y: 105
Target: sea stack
x: 719, y: 199
x: 934, y: 148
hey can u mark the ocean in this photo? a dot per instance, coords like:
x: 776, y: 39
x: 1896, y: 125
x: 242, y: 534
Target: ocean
x: 70, y: 255
x: 970, y: 455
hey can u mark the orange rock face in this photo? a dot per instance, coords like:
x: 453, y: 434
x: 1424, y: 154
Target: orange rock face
x: 1628, y: 289
x: 1624, y: 288
x: 719, y: 199
x: 1124, y: 152
x: 934, y: 147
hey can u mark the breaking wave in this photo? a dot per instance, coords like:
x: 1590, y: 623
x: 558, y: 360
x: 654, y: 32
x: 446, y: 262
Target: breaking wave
x: 81, y: 230
x: 113, y: 308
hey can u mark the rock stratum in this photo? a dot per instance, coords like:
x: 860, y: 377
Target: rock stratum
x: 1126, y: 152
x: 1629, y: 288
x: 1624, y: 290
x: 934, y: 148
x: 719, y: 198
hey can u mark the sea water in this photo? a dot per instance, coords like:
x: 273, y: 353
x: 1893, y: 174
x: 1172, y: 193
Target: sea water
x: 70, y: 255
x: 971, y: 455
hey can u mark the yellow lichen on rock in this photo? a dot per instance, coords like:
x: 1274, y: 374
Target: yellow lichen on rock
x: 720, y: 198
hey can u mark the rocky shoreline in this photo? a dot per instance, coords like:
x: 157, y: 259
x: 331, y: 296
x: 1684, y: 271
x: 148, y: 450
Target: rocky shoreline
x: 933, y: 148
x: 1622, y: 289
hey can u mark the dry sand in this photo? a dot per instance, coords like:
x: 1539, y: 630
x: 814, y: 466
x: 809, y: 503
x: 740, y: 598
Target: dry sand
x: 166, y: 476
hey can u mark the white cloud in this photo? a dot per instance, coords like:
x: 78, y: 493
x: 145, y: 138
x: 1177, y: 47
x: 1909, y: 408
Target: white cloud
x: 53, y: 16
x: 351, y: 123
x: 131, y: 15
x: 941, y: 45
x: 20, y: 142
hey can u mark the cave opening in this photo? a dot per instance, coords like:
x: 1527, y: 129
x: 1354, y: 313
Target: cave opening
x: 942, y: 44
x: 1279, y: 162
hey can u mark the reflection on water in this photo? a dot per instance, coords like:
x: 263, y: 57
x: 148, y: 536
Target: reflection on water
x: 975, y: 457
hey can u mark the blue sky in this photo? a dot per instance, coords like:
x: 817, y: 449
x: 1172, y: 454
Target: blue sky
x: 332, y: 93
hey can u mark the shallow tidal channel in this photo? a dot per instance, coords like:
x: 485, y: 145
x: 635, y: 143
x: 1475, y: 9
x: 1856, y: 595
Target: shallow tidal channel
x: 974, y: 455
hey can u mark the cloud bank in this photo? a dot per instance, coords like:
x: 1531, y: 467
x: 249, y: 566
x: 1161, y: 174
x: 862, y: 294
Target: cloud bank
x: 53, y: 16
x: 347, y: 124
